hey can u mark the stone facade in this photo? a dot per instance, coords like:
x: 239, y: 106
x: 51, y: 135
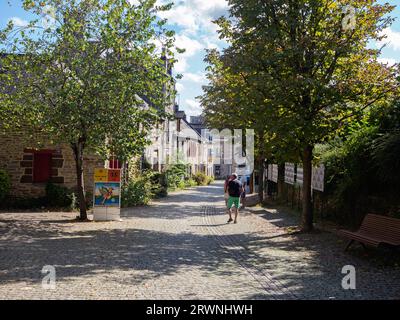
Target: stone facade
x: 17, y: 158
x: 173, y: 139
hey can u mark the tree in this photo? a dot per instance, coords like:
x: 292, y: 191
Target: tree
x: 310, y: 62
x: 230, y: 101
x: 83, y: 76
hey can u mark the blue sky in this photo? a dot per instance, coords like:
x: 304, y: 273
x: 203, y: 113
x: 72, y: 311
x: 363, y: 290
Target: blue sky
x: 191, y: 19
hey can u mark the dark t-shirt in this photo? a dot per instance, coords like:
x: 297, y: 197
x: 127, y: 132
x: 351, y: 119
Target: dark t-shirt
x: 235, y: 188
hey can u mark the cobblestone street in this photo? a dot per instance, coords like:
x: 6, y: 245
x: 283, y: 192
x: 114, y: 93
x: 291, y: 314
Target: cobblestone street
x: 180, y: 247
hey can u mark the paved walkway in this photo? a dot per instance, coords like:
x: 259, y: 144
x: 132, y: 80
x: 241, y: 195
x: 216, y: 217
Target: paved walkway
x: 180, y: 248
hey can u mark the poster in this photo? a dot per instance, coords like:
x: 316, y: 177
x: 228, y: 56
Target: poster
x: 289, y: 173
x: 100, y: 175
x: 274, y: 177
x: 318, y: 178
x: 107, y: 194
x: 269, y: 172
x: 114, y: 175
x: 299, y: 175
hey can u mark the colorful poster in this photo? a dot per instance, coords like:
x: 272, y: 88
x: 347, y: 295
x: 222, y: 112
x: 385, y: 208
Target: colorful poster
x: 100, y: 175
x: 107, y: 194
x: 114, y: 175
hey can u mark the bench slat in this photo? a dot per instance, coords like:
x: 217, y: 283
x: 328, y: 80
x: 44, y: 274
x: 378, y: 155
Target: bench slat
x: 376, y: 229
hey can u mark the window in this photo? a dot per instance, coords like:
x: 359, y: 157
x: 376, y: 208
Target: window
x: 41, y: 166
x: 114, y: 163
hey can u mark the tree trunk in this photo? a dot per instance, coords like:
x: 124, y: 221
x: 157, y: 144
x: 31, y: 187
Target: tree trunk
x: 78, y: 153
x: 307, y: 216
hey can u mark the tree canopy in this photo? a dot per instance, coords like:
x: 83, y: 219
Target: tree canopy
x: 89, y: 73
x: 301, y: 70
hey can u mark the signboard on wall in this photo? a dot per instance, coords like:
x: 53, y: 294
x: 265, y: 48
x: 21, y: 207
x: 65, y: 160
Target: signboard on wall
x: 317, y: 182
x: 274, y: 176
x: 272, y: 173
x: 318, y: 174
x: 269, y: 172
x: 299, y: 175
x: 289, y: 173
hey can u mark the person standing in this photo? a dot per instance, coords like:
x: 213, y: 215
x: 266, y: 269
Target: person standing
x: 235, y: 189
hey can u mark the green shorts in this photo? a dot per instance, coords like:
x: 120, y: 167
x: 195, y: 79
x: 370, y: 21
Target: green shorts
x: 233, y: 201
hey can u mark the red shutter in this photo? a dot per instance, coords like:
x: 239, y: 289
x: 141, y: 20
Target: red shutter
x: 41, y: 167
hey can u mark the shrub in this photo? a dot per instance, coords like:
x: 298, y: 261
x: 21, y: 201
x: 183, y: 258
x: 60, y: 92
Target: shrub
x: 27, y: 203
x: 175, y: 174
x: 360, y: 175
x: 158, y: 184
x: 201, y: 179
x: 141, y: 189
x: 190, y: 183
x: 5, y: 184
x: 181, y: 184
x: 60, y: 196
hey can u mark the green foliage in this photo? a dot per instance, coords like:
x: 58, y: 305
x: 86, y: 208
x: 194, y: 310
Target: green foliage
x: 159, y: 185
x: 140, y: 189
x: 386, y: 157
x: 181, y: 184
x: 176, y: 174
x: 202, y: 179
x: 362, y: 170
x: 301, y: 78
x: 136, y: 192
x: 60, y: 196
x: 5, y: 184
x: 25, y: 203
x: 190, y: 183
x: 79, y: 77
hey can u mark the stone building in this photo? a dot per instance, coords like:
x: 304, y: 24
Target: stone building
x: 33, y: 162
x: 176, y: 140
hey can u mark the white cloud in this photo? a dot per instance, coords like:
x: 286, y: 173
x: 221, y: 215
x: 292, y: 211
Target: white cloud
x: 211, y: 42
x: 192, y: 19
x: 198, y: 77
x: 192, y: 107
x: 191, y: 46
x: 392, y: 39
x: 196, y: 30
x: 181, y: 66
x: 179, y: 87
x: 18, y: 22
x: 388, y: 61
x: 194, y: 15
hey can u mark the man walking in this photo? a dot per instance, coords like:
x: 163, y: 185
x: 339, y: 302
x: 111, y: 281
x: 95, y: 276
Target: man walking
x: 235, y: 189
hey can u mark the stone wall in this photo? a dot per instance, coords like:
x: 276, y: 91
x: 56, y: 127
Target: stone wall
x: 16, y: 157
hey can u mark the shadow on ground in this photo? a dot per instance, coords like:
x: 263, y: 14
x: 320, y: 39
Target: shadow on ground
x: 309, y: 265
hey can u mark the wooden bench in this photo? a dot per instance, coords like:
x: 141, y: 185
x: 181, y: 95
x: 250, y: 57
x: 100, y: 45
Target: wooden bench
x: 375, y: 230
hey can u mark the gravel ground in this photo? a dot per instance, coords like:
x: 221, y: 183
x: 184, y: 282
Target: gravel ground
x: 181, y: 247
